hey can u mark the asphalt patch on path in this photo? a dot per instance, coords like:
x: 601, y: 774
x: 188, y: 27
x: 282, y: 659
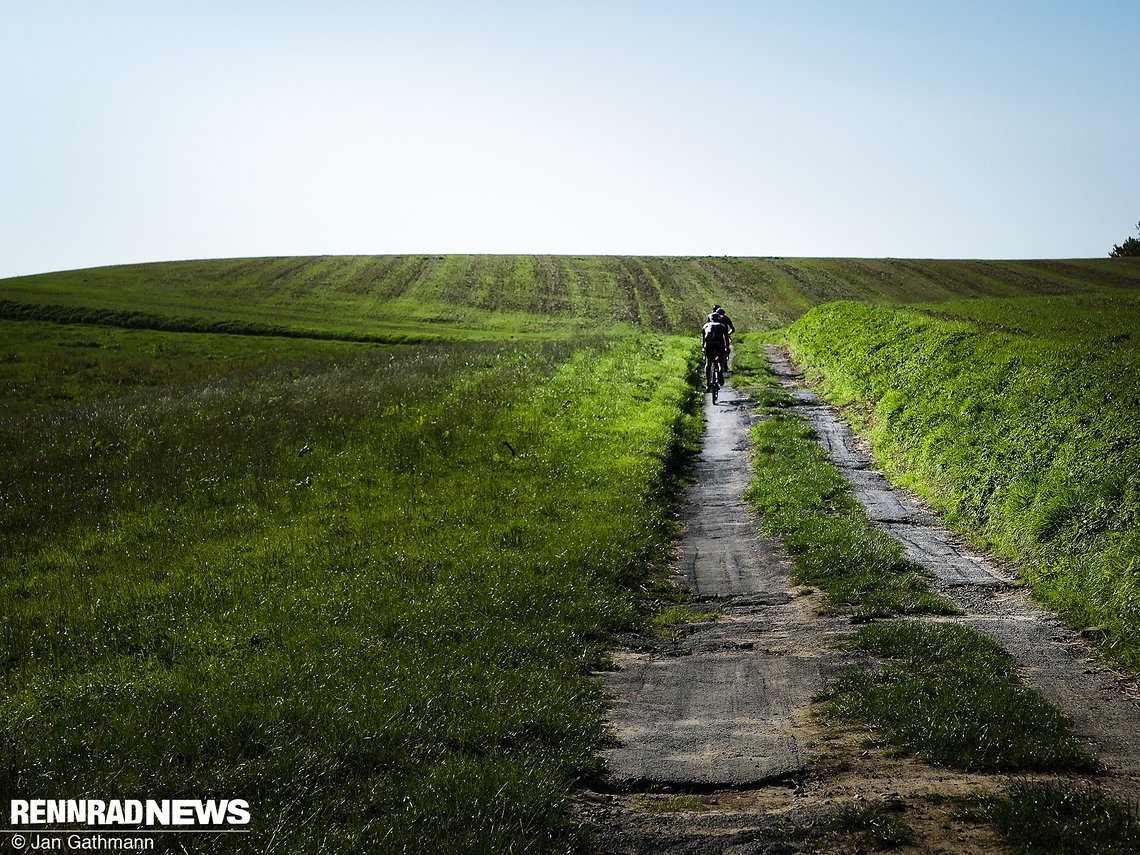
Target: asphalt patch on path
x: 723, y: 708
x: 1103, y: 705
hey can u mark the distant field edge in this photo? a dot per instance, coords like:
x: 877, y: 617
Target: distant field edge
x: 124, y: 265
x: 431, y: 298
x: 11, y: 310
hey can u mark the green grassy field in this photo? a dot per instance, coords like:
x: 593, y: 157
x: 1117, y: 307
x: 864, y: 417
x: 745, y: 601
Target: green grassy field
x: 418, y: 298
x: 362, y: 594
x: 344, y: 536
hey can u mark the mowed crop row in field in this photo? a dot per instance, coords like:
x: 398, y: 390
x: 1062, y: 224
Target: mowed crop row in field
x: 396, y: 298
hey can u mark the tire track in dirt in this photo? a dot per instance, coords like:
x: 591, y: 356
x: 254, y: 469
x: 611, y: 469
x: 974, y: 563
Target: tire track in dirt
x: 1103, y: 705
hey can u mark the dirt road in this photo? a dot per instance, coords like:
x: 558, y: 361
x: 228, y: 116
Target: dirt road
x: 718, y: 752
x: 716, y: 709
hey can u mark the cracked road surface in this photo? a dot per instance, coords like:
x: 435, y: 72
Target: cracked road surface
x: 721, y: 715
x: 717, y: 711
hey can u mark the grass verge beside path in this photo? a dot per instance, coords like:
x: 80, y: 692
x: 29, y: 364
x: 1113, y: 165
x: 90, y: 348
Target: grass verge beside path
x: 1019, y: 423
x: 363, y: 595
x: 951, y: 696
x: 1056, y: 819
x: 805, y: 501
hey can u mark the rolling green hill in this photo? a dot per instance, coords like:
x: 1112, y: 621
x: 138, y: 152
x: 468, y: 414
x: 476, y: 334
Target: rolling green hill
x: 77, y: 335
x: 402, y: 298
x: 350, y: 532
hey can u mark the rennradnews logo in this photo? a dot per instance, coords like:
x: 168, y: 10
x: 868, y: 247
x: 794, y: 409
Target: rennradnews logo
x: 133, y: 812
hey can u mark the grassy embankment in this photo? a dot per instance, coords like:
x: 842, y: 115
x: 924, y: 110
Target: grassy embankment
x: 1019, y: 420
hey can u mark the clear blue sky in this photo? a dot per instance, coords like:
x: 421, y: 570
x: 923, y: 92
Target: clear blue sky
x: 147, y: 131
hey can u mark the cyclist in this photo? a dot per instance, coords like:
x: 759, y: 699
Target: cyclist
x: 719, y: 314
x: 714, y: 345
x: 718, y: 311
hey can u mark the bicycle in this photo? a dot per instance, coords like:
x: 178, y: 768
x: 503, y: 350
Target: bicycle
x: 714, y: 375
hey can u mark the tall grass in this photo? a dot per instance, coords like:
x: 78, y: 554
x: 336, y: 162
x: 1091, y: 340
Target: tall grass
x: 363, y: 595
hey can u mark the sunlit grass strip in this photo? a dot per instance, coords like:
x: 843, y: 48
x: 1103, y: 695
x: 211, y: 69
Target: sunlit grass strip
x: 951, y: 696
x: 365, y: 598
x: 1062, y: 819
x: 670, y: 621
x: 804, y: 500
x: 873, y: 825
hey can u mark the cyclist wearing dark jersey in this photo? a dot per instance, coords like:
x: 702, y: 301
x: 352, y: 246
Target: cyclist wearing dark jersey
x: 714, y: 345
x: 718, y: 314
